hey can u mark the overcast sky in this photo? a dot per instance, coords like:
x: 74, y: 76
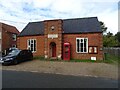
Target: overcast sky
x: 19, y: 12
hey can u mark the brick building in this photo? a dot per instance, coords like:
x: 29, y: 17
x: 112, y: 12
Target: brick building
x: 47, y: 38
x: 8, y: 37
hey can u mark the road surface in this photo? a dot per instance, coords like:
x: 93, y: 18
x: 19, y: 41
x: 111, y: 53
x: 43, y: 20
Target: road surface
x: 21, y: 79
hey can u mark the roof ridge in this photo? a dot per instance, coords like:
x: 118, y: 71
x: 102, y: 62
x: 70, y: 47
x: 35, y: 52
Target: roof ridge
x: 78, y: 18
x: 63, y: 19
x: 8, y: 24
x: 36, y: 22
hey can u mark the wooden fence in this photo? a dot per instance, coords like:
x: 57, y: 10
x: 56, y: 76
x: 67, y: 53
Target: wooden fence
x: 112, y: 50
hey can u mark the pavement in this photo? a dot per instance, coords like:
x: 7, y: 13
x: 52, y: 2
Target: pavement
x: 67, y: 68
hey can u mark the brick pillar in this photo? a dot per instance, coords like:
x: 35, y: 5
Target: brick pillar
x: 45, y: 40
x: 57, y: 41
x: 101, y: 46
x: 60, y: 39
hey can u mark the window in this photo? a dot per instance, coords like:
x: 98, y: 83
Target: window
x: 52, y: 27
x: 31, y: 45
x: 90, y: 50
x: 14, y: 36
x: 14, y: 45
x: 0, y: 47
x: 93, y: 49
x: 82, y: 45
x: 0, y: 35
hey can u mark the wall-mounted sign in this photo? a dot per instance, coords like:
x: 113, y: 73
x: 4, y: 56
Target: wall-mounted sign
x: 52, y: 35
x: 93, y: 58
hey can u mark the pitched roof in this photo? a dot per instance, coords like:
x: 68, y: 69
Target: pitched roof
x: 81, y: 25
x: 9, y: 28
x: 77, y: 25
x: 33, y: 28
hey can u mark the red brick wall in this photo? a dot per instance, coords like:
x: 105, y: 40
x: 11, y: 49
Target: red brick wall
x: 6, y: 40
x: 22, y: 44
x: 7, y: 32
x: 94, y: 39
x: 58, y: 41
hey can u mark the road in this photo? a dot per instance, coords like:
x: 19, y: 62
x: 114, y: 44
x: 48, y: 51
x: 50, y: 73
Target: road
x: 21, y: 79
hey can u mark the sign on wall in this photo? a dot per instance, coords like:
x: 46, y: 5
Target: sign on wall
x: 52, y: 35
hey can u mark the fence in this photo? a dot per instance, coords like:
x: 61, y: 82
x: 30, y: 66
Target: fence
x: 112, y: 50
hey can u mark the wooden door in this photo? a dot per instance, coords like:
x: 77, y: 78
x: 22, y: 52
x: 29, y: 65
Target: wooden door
x: 54, y: 50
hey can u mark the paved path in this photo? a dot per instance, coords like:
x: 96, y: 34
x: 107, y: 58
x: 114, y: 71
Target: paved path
x: 15, y: 79
x: 68, y: 68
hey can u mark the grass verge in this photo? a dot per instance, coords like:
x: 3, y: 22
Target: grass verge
x: 110, y: 59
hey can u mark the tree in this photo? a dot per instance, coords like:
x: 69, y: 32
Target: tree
x: 109, y: 34
x: 117, y: 36
x: 109, y: 41
x: 103, y: 27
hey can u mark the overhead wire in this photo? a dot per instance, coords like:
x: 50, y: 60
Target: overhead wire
x: 13, y: 21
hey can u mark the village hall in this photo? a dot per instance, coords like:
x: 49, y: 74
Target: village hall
x: 75, y: 38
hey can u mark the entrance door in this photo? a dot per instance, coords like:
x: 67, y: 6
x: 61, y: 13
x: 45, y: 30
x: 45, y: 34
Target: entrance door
x: 53, y: 49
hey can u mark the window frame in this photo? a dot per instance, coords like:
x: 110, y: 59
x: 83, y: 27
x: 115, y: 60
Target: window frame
x: 93, y: 50
x: 34, y: 44
x: 14, y: 45
x: 0, y: 47
x: 0, y: 35
x: 14, y: 37
x: 52, y: 28
x: 83, y: 45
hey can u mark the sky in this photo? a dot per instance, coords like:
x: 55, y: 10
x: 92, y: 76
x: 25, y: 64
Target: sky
x: 20, y: 12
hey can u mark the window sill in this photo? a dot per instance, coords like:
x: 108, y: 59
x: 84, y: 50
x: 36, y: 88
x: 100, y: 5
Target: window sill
x: 34, y: 52
x: 93, y: 53
x: 82, y: 52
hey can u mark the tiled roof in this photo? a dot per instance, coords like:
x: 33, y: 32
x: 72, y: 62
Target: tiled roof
x: 10, y: 28
x: 81, y: 25
x: 33, y: 28
x: 77, y: 25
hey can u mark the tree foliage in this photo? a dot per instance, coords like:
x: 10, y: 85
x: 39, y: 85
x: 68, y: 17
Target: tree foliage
x: 109, y: 40
x: 103, y: 27
x: 117, y: 36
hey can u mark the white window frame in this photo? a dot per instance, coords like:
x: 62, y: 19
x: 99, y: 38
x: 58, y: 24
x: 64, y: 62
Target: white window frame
x: 94, y: 49
x: 0, y: 35
x: 14, y: 37
x: 0, y: 47
x: 29, y: 46
x: 83, y: 45
x: 14, y: 45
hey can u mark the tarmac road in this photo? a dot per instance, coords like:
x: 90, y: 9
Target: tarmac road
x: 21, y: 79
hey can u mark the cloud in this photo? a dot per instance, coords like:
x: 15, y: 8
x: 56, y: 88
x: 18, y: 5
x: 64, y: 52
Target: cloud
x: 24, y: 11
x: 43, y: 3
x: 110, y: 20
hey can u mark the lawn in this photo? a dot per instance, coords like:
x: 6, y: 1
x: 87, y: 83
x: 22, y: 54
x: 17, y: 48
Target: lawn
x: 110, y: 59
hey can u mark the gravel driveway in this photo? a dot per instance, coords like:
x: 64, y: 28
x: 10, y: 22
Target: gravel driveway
x: 68, y: 68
